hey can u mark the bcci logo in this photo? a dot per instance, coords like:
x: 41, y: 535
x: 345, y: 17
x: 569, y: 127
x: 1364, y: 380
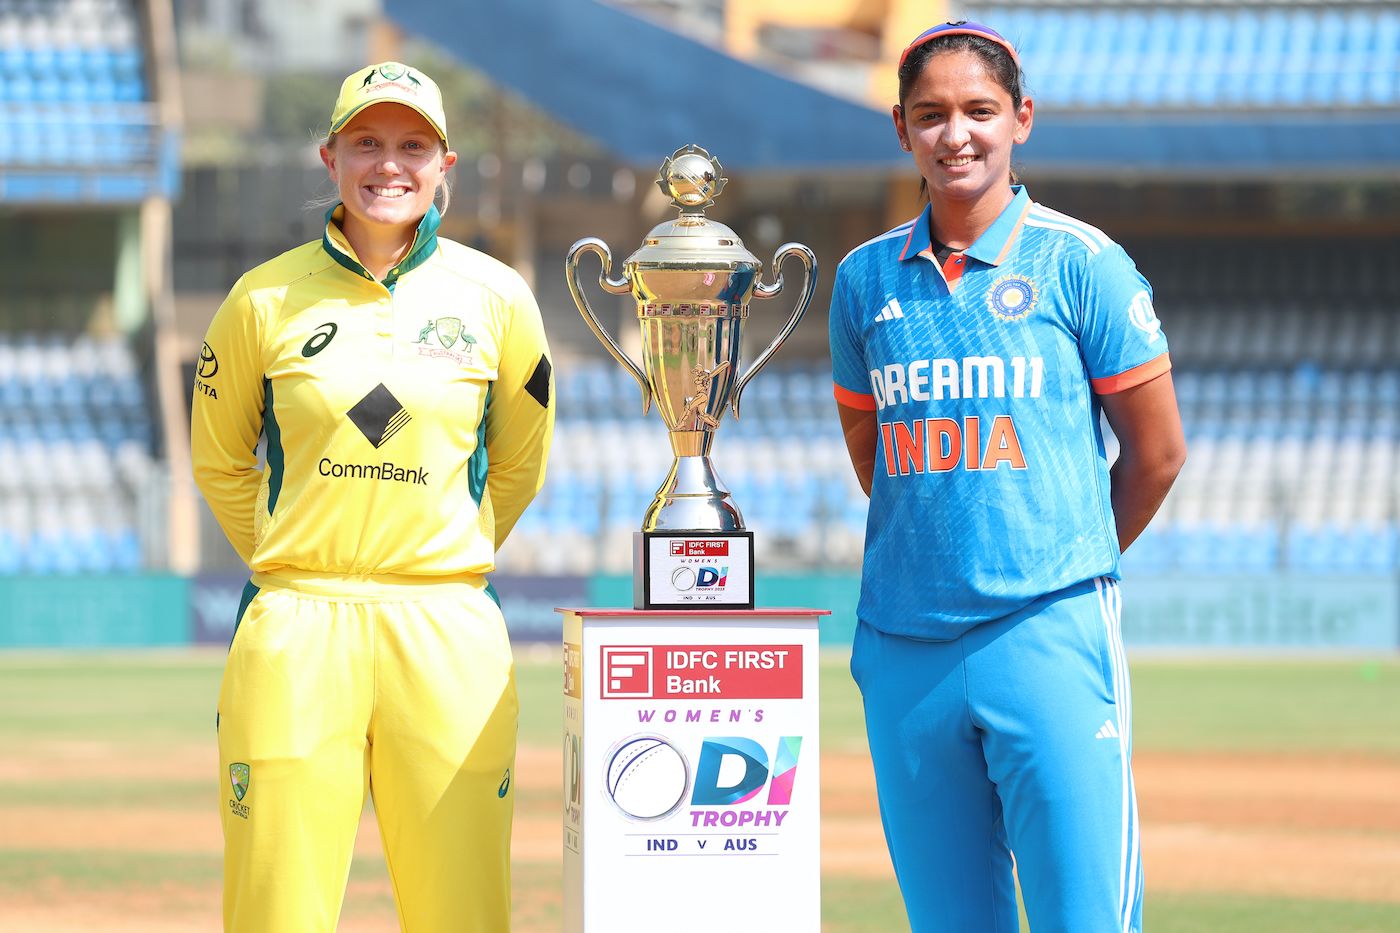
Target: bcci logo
x: 1012, y: 297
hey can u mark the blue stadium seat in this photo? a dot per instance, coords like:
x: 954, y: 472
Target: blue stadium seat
x: 11, y: 561
x: 125, y: 551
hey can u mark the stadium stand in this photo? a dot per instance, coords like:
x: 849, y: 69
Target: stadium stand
x: 79, y: 127
x: 1294, y: 464
x: 77, y: 428
x: 1285, y: 350
x: 1287, y: 372
x: 1217, y: 56
x: 78, y: 121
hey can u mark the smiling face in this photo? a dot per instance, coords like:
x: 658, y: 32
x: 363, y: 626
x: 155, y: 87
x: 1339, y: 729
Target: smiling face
x: 387, y: 163
x: 961, y: 125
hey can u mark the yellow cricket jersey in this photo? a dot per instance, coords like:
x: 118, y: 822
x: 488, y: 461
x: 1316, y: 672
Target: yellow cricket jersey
x: 407, y: 421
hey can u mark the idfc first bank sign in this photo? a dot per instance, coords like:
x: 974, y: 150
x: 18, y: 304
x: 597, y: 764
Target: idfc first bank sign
x: 692, y: 774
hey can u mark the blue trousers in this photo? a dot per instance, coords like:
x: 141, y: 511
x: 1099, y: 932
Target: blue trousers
x: 1012, y: 740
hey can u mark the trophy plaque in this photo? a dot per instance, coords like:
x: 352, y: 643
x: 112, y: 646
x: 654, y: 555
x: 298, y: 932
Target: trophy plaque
x: 693, y: 282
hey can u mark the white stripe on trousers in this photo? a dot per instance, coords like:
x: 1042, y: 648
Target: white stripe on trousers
x: 1111, y: 608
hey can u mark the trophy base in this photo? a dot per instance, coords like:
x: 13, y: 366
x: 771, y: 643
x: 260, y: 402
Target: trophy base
x: 692, y: 570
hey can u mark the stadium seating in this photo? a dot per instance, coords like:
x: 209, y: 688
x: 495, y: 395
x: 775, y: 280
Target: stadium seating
x: 1293, y: 464
x: 76, y: 118
x: 1191, y: 55
x: 75, y: 440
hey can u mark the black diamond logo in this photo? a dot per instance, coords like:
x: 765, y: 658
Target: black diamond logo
x: 379, y: 415
x: 538, y: 386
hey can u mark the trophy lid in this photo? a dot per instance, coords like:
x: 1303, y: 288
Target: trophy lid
x: 692, y: 178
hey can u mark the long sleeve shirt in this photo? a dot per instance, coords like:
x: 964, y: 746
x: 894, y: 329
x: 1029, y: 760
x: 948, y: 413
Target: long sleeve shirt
x: 406, y: 421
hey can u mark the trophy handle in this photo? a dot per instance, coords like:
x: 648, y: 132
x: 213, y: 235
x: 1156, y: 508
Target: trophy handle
x: 615, y: 286
x: 809, y: 263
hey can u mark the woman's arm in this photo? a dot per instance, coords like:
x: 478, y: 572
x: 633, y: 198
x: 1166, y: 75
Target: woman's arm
x: 1152, y: 450
x: 226, y: 419
x: 520, y: 418
x: 862, y: 431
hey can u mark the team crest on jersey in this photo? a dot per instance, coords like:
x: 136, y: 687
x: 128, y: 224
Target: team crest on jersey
x: 239, y: 777
x: 456, y: 343
x: 1012, y: 297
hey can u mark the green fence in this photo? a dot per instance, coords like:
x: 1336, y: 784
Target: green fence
x: 94, y: 612
x: 1265, y: 611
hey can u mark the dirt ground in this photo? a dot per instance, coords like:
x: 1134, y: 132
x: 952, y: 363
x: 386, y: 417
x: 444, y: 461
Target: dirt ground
x: 1242, y: 824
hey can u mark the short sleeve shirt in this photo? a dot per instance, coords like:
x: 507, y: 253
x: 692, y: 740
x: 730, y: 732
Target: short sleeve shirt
x: 991, y: 484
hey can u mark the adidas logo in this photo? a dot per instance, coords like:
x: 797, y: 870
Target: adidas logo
x: 1107, y: 731
x: 890, y: 311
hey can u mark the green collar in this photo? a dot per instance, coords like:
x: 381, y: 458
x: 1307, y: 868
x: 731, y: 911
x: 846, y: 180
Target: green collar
x: 333, y: 241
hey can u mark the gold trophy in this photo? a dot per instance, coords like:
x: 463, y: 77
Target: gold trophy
x: 693, y: 281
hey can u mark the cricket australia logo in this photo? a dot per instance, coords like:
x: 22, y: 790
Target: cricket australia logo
x: 455, y: 342
x: 1012, y: 297
x: 392, y: 72
x: 239, y: 777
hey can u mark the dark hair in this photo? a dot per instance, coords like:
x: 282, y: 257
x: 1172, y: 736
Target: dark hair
x: 998, y: 62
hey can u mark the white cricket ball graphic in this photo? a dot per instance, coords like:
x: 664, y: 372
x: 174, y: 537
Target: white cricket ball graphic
x: 683, y: 578
x: 647, y: 777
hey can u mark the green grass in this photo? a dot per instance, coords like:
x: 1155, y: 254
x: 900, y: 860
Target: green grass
x: 85, y: 794
x: 140, y: 703
x: 1268, y: 706
x: 101, y: 871
x: 848, y: 905
x: 145, y: 698
x: 1203, y: 913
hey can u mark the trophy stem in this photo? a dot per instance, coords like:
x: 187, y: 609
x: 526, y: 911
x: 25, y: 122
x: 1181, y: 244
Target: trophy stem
x: 693, y: 498
x: 692, y: 444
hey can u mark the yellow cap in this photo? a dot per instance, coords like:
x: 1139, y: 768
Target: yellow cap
x: 390, y: 82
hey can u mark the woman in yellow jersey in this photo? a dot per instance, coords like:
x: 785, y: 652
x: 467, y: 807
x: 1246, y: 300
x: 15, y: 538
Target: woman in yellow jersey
x: 402, y: 385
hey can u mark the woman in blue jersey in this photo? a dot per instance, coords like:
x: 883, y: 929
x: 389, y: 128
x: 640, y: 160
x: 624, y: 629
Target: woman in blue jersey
x: 973, y: 351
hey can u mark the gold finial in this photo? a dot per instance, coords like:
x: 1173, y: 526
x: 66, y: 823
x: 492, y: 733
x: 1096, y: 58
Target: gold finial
x: 691, y: 178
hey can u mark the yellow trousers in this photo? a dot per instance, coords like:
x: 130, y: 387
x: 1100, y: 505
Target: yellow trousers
x: 340, y: 687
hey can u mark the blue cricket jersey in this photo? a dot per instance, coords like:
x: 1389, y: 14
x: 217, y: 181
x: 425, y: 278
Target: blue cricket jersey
x: 991, y: 485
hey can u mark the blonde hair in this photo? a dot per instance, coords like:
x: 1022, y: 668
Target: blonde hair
x: 443, y: 192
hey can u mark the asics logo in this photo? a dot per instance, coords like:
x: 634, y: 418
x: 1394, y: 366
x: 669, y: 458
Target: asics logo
x: 323, y: 336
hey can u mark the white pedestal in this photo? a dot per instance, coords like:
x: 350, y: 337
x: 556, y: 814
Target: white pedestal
x: 691, y: 771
